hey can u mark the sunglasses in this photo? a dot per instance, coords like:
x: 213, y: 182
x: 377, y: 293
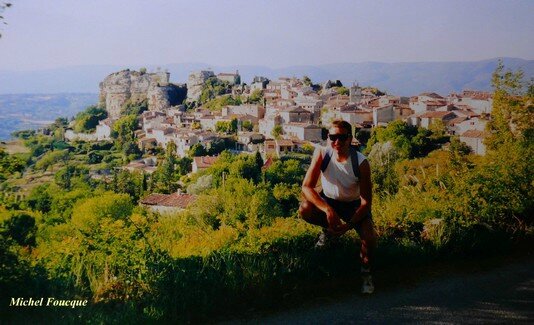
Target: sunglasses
x: 340, y: 137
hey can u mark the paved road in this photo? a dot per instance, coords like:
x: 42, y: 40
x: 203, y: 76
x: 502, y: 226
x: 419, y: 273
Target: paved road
x: 503, y: 294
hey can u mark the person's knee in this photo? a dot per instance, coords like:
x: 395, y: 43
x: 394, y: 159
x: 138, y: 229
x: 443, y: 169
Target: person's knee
x: 311, y: 214
x: 305, y: 209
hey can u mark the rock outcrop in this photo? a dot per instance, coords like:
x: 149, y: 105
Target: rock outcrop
x: 195, y: 82
x: 134, y: 86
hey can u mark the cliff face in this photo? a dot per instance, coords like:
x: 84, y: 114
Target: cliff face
x: 195, y: 82
x: 119, y: 87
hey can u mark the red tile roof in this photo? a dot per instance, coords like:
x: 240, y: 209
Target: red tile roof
x: 438, y: 114
x: 473, y: 134
x: 480, y: 95
x: 457, y: 120
x: 169, y: 200
x: 435, y: 103
x: 267, y: 163
x: 205, y: 161
x: 284, y: 143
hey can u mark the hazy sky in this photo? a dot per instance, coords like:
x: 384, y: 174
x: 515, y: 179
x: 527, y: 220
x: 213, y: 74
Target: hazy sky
x: 48, y: 34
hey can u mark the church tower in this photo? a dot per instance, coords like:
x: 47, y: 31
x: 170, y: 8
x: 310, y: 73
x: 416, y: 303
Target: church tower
x: 355, y: 94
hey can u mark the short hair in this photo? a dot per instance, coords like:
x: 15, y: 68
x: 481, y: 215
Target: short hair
x: 342, y: 125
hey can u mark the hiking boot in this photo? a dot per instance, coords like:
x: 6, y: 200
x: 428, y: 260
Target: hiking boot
x: 323, y: 241
x: 367, y: 285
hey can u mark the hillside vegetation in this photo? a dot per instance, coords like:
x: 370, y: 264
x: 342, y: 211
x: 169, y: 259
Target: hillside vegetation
x: 241, y: 242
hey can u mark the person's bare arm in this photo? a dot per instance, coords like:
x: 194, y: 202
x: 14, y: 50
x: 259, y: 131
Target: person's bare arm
x: 366, y: 192
x: 308, y: 189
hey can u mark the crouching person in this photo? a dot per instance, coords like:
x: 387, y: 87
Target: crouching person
x: 345, y: 200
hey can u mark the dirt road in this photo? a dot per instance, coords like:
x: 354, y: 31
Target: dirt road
x: 502, y: 293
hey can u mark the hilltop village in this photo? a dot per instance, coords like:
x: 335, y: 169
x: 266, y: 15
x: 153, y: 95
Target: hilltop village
x: 276, y: 116
x: 271, y: 117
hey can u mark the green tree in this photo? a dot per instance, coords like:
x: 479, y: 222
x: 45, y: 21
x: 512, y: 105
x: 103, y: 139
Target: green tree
x: 289, y: 172
x: 23, y: 134
x: 216, y: 104
x: 409, y: 141
x: 130, y: 151
x: 64, y: 177
x: 129, y: 183
x: 94, y: 157
x: 229, y: 127
x: 247, y: 167
x: 124, y: 127
x: 134, y: 108
x: 512, y: 117
x: 87, y: 212
x: 458, y: 152
x: 51, y: 158
x: 256, y: 97
x: 288, y: 196
x: 40, y: 199
x: 277, y: 131
x: 222, y: 127
x: 20, y: 227
x: 239, y: 204
x: 216, y: 146
x: 10, y: 164
x: 60, y: 123
x: 212, y: 88
x: 39, y: 144
x: 382, y: 158
x: 247, y: 126
x: 183, y: 166
x: 308, y: 149
x: 342, y: 90
x: 170, y: 150
x: 233, y: 126
x: 87, y: 120
x: 197, y: 150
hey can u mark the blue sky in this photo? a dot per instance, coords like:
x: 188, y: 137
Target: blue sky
x: 50, y: 34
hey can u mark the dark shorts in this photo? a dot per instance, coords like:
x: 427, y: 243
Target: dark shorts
x: 345, y: 210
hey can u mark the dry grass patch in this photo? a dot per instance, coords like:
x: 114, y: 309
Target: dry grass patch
x: 14, y: 147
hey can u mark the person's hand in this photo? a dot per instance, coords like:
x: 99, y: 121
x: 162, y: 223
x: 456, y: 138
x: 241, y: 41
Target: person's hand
x: 341, y: 229
x: 334, y: 222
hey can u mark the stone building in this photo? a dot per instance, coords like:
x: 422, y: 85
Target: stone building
x: 475, y: 140
x: 231, y: 78
x: 303, y: 131
x: 384, y: 114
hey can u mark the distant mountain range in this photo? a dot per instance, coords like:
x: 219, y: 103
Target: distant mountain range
x: 395, y: 78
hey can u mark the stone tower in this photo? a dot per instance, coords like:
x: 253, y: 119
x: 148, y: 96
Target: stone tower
x: 355, y: 94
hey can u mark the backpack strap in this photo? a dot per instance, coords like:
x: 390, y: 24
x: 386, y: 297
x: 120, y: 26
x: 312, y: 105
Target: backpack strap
x: 354, y: 159
x: 326, y: 158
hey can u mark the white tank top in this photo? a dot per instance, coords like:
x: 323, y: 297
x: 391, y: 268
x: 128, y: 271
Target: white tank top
x: 338, y: 179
